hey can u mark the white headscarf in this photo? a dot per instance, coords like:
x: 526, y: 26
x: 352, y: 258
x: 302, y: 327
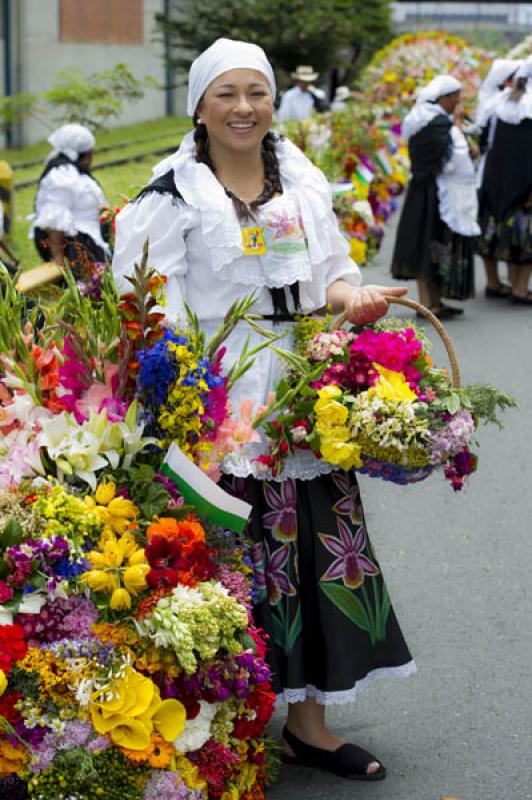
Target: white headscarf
x: 438, y: 87
x: 515, y: 111
x: 72, y: 140
x: 220, y: 57
x: 500, y: 70
x: 426, y: 107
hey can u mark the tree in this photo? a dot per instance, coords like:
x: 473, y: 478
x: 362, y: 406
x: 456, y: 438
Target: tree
x: 335, y: 34
x: 91, y: 100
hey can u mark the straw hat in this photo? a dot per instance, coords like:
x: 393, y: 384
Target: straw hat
x: 304, y: 73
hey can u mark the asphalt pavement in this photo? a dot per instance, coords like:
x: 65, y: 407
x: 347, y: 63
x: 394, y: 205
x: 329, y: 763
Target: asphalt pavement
x: 459, y: 570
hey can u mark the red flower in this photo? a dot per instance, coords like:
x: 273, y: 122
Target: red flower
x: 164, y: 556
x: 6, y: 593
x: 12, y: 646
x: 7, y: 707
x: 262, y: 702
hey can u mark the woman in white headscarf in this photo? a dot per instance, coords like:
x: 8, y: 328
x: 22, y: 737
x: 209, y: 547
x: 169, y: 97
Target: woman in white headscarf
x: 69, y: 200
x: 498, y: 78
x: 438, y: 224
x: 506, y: 191
x: 238, y: 209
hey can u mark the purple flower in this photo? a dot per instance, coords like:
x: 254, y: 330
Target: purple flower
x: 282, y: 520
x: 277, y: 581
x: 349, y: 504
x: 351, y: 564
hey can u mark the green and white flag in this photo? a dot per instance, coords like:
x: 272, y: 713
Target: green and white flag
x: 363, y: 174
x: 381, y: 157
x: 204, y: 494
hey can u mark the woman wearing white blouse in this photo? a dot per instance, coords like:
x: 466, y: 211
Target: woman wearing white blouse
x: 69, y: 200
x: 236, y: 210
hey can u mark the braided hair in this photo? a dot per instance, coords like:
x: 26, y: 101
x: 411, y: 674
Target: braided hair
x: 272, y: 177
x: 272, y: 186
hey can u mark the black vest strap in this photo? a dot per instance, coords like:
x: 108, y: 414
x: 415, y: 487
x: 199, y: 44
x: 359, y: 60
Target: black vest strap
x: 164, y: 184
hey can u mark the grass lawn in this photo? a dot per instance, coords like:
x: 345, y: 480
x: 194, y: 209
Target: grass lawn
x: 118, y: 182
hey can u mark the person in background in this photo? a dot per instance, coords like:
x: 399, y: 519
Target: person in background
x: 438, y: 225
x: 301, y: 100
x: 69, y: 200
x: 342, y: 94
x: 506, y: 191
x: 499, y: 77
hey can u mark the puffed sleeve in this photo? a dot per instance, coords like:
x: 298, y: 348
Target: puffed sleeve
x: 56, y: 199
x: 339, y: 265
x: 162, y: 221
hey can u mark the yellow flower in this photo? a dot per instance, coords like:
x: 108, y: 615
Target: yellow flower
x: 345, y: 454
x: 120, y: 600
x: 119, y: 559
x: 135, y: 578
x: 328, y: 410
x: 100, y: 581
x: 189, y: 774
x: 392, y: 386
x: 131, y: 708
x: 3, y: 682
x: 105, y: 493
x: 358, y: 250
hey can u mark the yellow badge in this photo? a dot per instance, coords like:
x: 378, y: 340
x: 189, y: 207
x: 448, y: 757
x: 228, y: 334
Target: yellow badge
x: 253, y: 241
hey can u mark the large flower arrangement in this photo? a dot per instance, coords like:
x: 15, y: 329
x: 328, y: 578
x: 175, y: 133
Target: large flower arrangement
x: 360, y: 149
x: 371, y: 399
x: 129, y: 663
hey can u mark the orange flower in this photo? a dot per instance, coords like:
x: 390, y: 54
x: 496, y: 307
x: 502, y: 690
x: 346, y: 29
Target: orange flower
x: 188, y: 531
x: 158, y: 754
x: 146, y: 606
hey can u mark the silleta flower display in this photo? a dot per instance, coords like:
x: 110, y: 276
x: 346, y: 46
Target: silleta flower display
x: 371, y: 399
x: 129, y: 662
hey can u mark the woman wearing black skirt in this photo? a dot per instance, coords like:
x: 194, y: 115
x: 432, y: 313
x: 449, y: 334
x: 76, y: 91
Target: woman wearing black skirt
x: 506, y: 192
x: 435, y: 241
x: 238, y: 209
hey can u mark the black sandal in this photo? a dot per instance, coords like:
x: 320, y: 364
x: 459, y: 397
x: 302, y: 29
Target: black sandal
x: 502, y: 290
x: 348, y: 761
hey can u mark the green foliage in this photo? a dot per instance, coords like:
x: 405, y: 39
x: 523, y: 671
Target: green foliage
x: 337, y: 33
x: 93, y: 99
x: 16, y: 108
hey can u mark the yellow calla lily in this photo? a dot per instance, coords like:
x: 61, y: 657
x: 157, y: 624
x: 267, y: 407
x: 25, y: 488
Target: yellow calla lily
x: 170, y: 718
x: 132, y: 734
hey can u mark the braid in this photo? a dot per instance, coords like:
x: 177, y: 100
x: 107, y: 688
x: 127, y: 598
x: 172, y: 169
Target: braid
x: 272, y: 180
x: 272, y: 177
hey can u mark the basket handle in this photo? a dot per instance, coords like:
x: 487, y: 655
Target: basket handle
x: 425, y: 312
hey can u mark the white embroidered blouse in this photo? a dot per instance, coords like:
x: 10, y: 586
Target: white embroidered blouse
x: 69, y: 201
x: 197, y: 243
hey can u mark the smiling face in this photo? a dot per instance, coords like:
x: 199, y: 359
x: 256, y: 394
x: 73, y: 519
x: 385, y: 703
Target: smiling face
x: 237, y: 109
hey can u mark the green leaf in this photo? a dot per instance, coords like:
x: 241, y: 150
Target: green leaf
x: 155, y: 500
x: 294, y: 631
x: 12, y: 534
x: 346, y: 602
x: 277, y: 629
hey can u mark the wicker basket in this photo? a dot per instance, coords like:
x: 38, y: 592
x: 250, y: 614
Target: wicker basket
x: 399, y: 473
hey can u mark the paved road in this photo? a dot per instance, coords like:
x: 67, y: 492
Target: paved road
x: 459, y: 569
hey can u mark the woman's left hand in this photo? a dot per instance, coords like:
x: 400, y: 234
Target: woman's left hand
x: 368, y: 303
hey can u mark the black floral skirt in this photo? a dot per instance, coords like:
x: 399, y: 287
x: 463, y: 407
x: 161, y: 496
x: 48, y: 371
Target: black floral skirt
x: 453, y: 265
x: 320, y: 593
x: 509, y: 240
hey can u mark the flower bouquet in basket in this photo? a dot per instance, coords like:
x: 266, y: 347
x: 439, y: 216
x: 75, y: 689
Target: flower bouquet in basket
x: 129, y: 662
x: 371, y: 399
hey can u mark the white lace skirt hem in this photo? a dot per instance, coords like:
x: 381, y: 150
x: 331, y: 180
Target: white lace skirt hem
x: 346, y: 695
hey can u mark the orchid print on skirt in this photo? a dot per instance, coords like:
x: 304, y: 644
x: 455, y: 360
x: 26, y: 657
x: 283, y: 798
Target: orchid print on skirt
x: 318, y: 585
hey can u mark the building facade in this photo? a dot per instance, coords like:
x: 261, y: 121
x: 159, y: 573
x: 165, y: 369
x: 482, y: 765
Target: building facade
x: 41, y: 37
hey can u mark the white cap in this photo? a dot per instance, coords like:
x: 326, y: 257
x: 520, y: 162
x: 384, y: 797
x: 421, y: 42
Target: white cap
x: 72, y: 140
x: 222, y: 56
